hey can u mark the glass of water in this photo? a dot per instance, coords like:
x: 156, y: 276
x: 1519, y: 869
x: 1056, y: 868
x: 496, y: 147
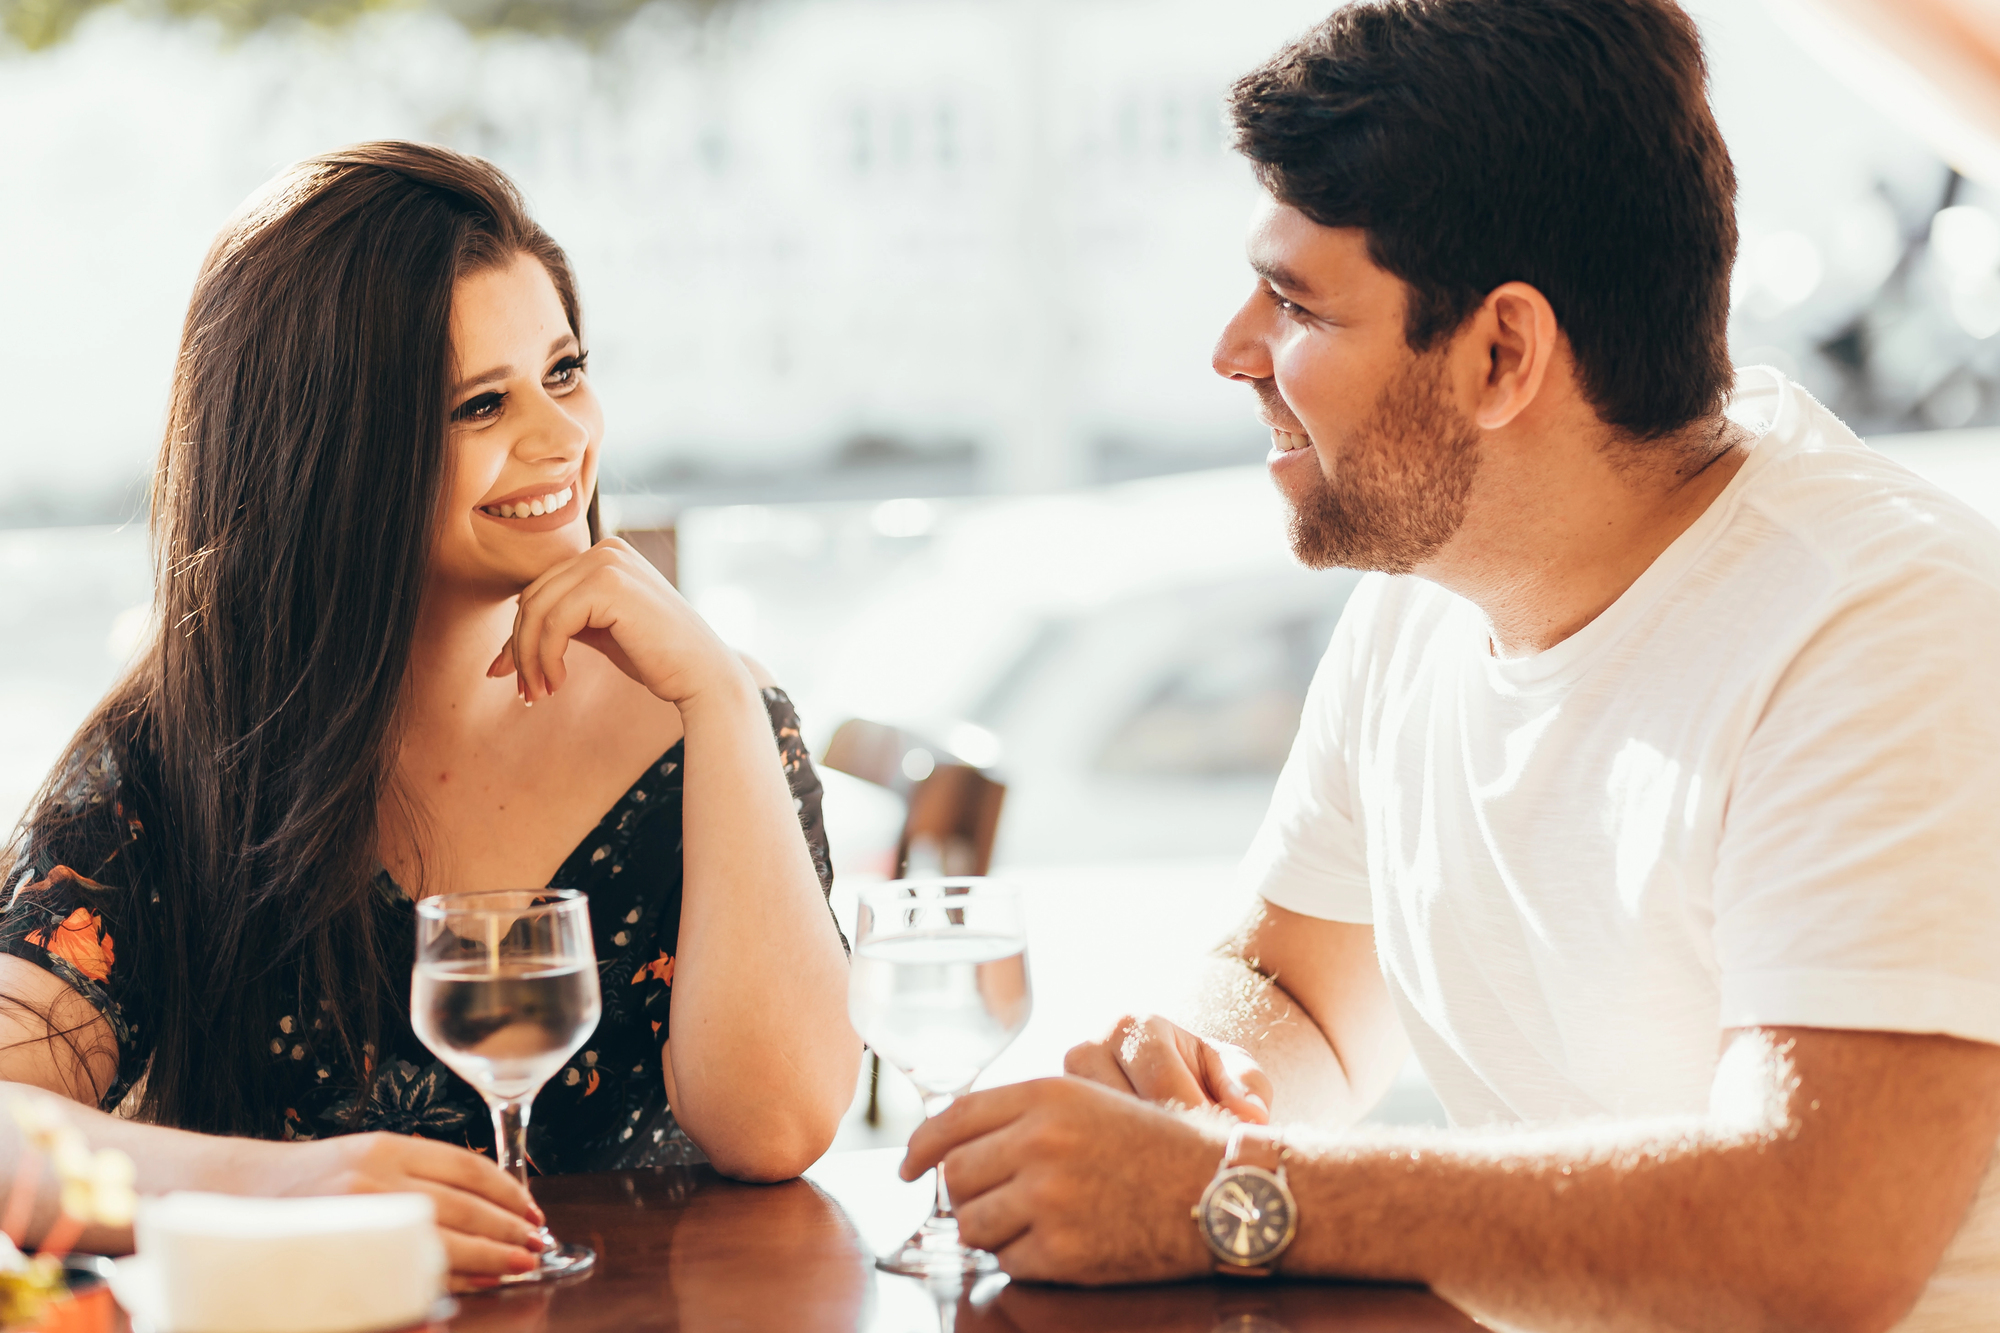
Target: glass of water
x: 504, y: 993
x: 939, y: 987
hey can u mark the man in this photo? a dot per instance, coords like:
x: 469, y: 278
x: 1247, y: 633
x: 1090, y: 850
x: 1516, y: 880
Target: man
x: 1650, y: 789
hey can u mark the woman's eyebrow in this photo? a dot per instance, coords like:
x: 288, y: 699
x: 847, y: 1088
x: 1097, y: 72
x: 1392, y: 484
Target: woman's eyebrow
x: 506, y: 372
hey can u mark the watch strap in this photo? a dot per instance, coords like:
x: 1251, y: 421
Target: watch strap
x: 1255, y: 1145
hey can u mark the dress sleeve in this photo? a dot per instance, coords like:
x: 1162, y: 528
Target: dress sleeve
x: 806, y: 789
x: 71, y: 924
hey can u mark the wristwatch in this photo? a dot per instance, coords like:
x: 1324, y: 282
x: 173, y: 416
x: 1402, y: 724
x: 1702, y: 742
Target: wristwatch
x: 1247, y: 1215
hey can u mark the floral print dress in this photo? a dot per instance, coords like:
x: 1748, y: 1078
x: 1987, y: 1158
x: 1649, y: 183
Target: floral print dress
x: 607, y: 1109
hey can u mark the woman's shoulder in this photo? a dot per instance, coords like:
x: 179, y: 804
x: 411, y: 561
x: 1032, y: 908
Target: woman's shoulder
x: 83, y: 827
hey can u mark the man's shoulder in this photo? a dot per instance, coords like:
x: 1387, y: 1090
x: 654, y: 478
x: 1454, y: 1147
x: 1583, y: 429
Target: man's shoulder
x: 1865, y: 517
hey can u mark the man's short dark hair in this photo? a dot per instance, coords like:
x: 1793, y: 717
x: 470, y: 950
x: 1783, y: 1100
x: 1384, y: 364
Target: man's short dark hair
x: 1563, y: 143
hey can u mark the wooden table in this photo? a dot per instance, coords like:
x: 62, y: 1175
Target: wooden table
x: 686, y: 1249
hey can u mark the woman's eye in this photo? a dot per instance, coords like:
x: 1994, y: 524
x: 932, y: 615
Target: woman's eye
x: 566, y: 372
x: 480, y: 407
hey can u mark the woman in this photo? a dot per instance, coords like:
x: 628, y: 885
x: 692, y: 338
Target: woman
x: 393, y: 660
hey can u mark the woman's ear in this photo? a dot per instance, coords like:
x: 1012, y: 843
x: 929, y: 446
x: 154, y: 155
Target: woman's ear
x: 1515, y: 331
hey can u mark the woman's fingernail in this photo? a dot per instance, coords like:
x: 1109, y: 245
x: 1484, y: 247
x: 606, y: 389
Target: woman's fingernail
x: 541, y: 1219
x: 523, y: 1263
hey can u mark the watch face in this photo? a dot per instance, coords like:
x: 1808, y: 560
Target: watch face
x: 1247, y: 1216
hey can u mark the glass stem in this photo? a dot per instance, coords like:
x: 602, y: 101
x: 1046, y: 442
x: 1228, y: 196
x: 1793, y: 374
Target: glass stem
x: 941, y: 1211
x: 510, y: 1137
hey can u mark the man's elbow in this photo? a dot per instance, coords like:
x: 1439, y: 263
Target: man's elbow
x: 1858, y: 1293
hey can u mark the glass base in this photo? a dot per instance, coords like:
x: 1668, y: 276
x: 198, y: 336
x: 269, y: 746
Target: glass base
x: 934, y: 1248
x: 559, y: 1261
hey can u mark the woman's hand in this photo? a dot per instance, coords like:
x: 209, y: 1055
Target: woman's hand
x: 612, y: 599
x: 487, y: 1220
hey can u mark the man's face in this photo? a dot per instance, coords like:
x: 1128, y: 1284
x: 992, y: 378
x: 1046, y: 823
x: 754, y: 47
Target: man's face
x: 1368, y: 448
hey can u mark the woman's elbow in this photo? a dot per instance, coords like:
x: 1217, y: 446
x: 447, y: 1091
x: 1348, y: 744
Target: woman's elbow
x: 775, y: 1152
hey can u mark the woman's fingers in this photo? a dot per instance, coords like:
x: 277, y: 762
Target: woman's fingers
x: 474, y: 1216
x: 550, y: 611
x: 466, y: 1171
x: 476, y: 1256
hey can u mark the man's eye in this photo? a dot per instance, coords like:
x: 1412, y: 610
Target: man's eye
x: 480, y: 407
x: 1291, y: 309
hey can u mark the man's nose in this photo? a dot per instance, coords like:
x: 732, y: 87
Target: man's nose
x: 1239, y: 353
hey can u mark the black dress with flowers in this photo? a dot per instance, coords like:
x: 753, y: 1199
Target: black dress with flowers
x: 607, y: 1109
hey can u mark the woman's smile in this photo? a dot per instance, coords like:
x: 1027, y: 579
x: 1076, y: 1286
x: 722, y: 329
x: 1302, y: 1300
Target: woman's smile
x: 537, y: 509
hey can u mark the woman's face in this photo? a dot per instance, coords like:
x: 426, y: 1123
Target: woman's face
x: 524, y: 433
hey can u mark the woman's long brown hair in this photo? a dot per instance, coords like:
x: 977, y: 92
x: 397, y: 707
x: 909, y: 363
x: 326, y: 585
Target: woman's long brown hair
x: 294, y: 505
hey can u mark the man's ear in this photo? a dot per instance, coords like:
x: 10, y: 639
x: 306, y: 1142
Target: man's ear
x: 1514, y: 333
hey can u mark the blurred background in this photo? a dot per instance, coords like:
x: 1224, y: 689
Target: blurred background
x: 900, y: 311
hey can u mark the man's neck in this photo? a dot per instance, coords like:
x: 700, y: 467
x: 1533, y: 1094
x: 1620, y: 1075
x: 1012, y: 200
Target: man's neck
x: 1561, y: 525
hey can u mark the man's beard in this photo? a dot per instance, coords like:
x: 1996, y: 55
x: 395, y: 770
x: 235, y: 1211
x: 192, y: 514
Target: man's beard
x: 1399, y: 485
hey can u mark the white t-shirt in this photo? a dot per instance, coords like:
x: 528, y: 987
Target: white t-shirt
x: 1763, y: 788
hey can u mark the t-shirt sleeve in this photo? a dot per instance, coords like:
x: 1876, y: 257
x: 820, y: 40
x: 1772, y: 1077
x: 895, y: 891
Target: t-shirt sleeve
x: 1308, y: 855
x: 1858, y: 876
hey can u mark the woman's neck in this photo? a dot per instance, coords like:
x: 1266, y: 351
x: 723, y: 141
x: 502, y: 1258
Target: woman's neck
x: 445, y: 687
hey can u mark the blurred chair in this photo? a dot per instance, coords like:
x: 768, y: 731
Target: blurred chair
x: 952, y: 813
x: 660, y: 546
x: 953, y: 807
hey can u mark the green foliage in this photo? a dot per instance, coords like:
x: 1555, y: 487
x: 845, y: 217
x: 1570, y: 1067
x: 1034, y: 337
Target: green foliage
x: 39, y: 24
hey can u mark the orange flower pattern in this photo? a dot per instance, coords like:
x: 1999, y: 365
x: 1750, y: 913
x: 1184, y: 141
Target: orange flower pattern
x: 606, y: 1109
x: 81, y: 942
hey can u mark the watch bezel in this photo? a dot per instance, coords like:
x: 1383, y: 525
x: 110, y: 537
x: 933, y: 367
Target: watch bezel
x: 1283, y: 1243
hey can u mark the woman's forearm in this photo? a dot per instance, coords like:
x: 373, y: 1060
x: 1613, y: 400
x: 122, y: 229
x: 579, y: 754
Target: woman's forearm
x: 165, y: 1159
x: 761, y: 1057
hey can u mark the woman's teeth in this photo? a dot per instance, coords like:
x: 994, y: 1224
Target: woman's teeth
x: 535, y: 508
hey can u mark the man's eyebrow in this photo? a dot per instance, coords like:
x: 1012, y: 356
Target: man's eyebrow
x: 505, y: 372
x: 1279, y: 276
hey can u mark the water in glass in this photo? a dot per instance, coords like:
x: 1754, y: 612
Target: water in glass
x: 939, y: 987
x: 504, y: 992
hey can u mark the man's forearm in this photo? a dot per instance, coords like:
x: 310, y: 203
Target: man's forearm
x: 1240, y: 1005
x: 1801, y: 1215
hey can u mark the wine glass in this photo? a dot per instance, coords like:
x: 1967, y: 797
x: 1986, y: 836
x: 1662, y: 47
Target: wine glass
x: 504, y: 992
x: 939, y: 987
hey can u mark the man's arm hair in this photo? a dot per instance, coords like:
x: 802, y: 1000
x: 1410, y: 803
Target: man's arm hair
x: 1818, y: 1192
x: 1306, y: 998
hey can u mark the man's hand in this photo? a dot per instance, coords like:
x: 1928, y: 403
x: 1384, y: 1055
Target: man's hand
x: 1068, y: 1182
x: 1157, y: 1059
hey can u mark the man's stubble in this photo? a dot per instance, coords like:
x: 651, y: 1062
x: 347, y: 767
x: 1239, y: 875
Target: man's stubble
x: 1400, y: 484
